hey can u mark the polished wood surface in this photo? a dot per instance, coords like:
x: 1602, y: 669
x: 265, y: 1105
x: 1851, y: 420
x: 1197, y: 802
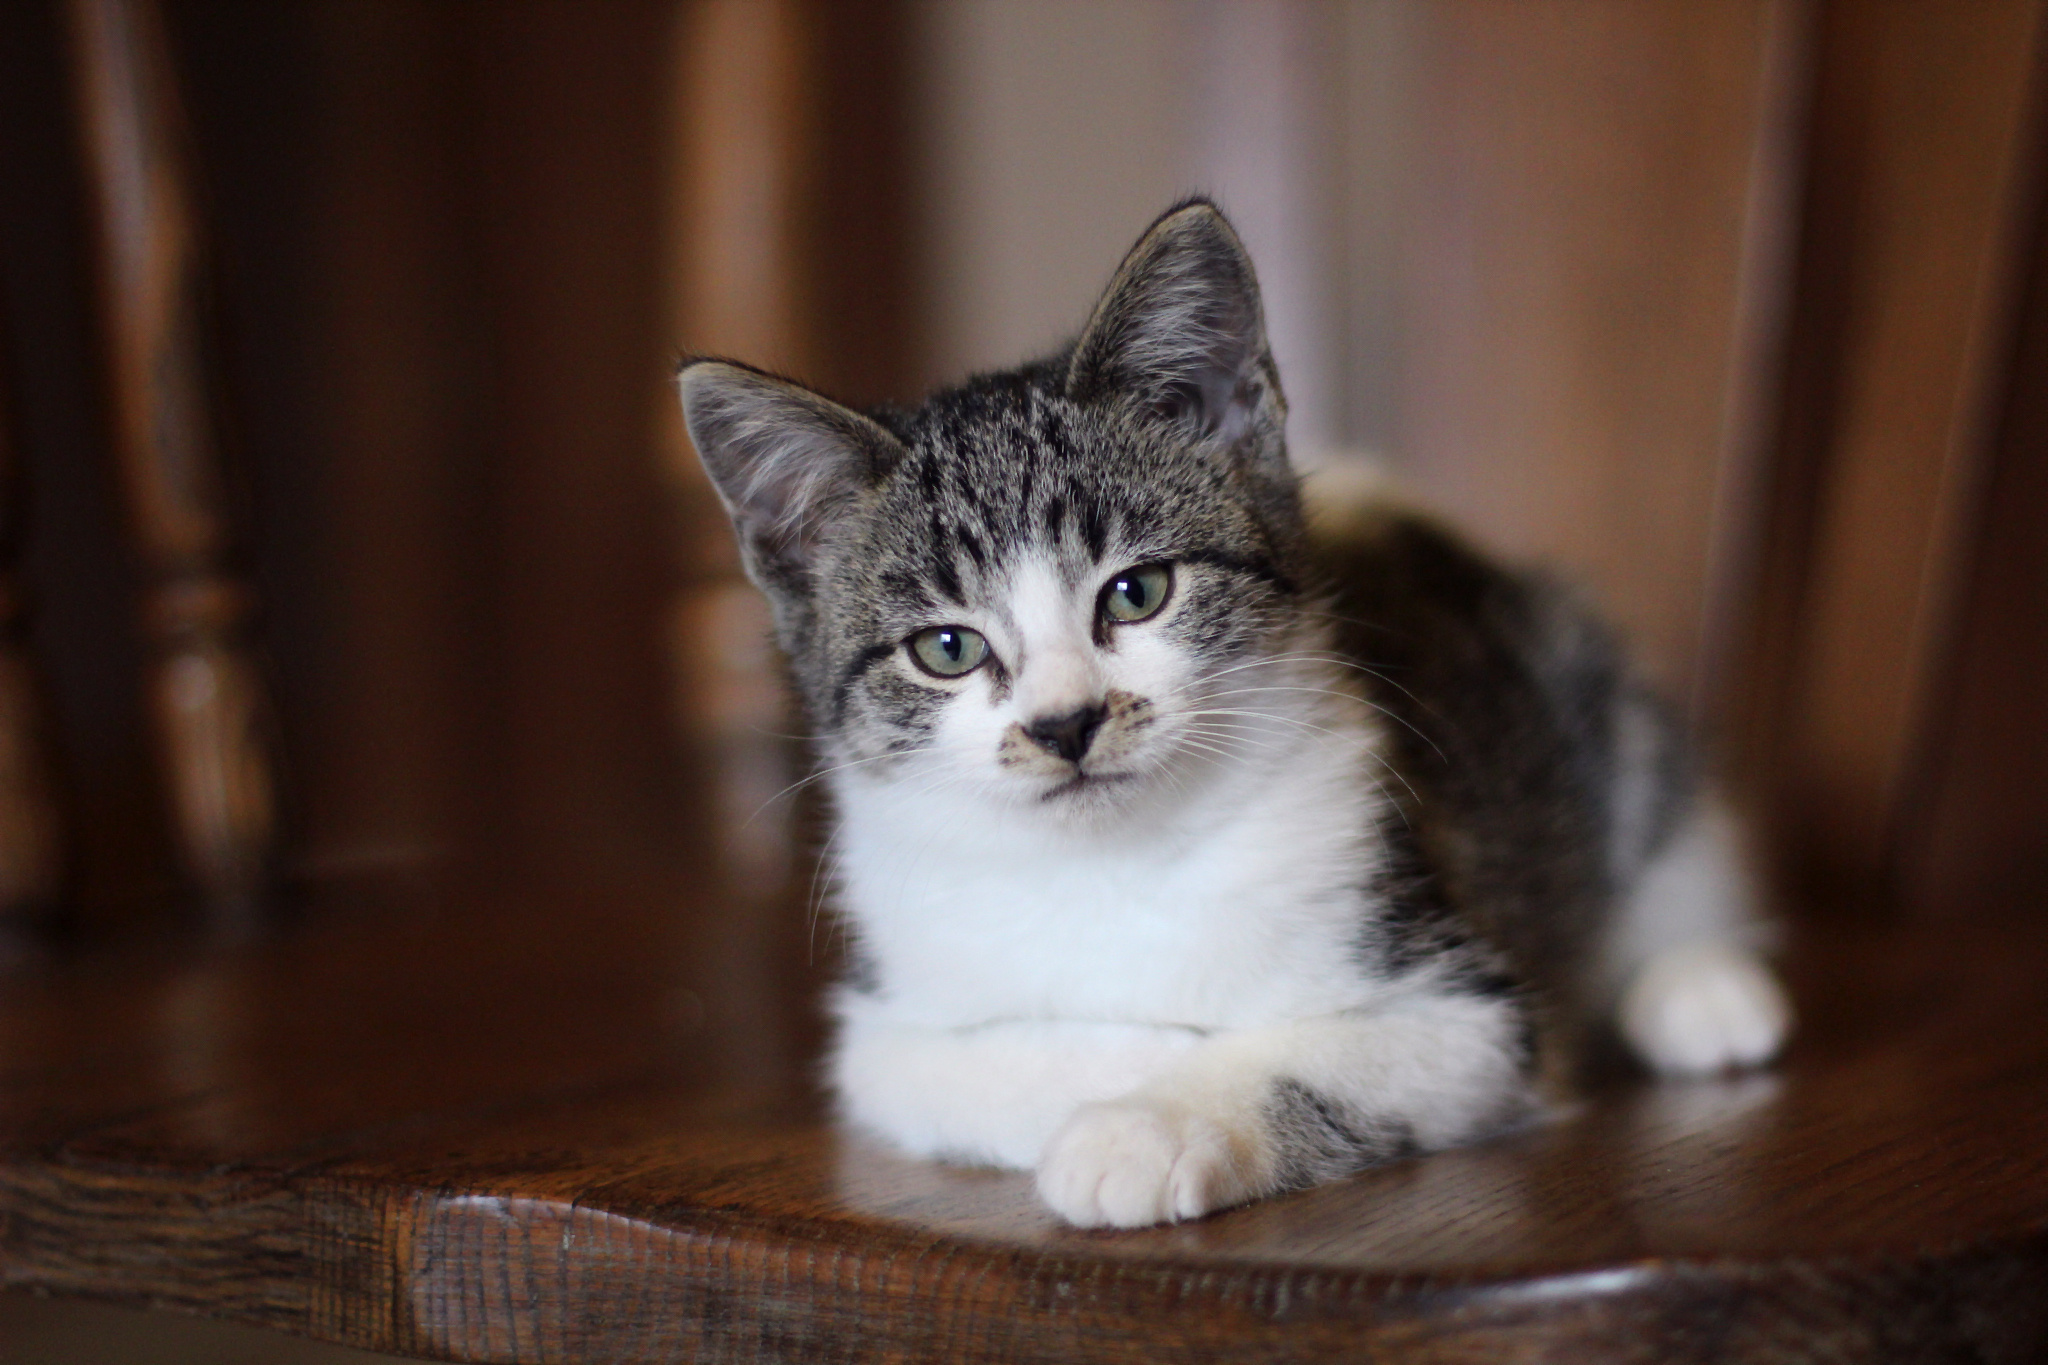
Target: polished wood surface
x: 207, y: 696
x: 520, y: 1126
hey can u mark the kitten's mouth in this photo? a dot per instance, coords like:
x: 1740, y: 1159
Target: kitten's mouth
x: 1081, y: 782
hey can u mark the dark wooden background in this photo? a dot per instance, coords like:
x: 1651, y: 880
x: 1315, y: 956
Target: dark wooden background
x: 458, y: 248
x: 445, y: 286
x: 445, y: 359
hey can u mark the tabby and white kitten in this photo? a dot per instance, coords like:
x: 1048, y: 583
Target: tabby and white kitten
x: 1185, y: 863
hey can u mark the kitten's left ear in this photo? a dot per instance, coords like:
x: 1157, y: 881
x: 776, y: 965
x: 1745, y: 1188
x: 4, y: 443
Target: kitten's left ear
x: 1180, y: 331
x: 785, y: 460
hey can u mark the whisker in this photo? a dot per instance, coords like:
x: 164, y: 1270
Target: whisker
x: 806, y: 781
x: 1217, y: 732
x: 1266, y: 715
x: 1319, y: 729
x: 1338, y: 659
x: 1204, y: 745
x: 1394, y: 716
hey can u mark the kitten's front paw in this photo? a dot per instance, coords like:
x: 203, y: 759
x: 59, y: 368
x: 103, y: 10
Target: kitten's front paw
x: 1129, y: 1163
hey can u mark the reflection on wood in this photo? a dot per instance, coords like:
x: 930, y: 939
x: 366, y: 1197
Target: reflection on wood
x: 206, y: 692
x: 31, y: 857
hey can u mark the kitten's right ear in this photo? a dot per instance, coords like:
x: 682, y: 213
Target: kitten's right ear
x: 1180, y: 330
x: 785, y: 460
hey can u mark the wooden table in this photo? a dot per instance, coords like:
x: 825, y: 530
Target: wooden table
x: 535, y: 1124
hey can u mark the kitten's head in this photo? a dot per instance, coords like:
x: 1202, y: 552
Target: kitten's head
x: 1036, y: 586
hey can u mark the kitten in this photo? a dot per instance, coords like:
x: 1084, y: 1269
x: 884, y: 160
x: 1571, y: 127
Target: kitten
x: 1184, y: 864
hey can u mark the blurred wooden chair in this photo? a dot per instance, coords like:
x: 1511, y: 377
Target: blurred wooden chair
x: 206, y: 697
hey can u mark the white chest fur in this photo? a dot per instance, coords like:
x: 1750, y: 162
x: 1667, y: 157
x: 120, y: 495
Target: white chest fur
x: 1236, y: 904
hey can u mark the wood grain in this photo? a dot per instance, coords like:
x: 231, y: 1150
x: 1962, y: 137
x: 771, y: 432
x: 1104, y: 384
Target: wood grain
x: 527, y: 1129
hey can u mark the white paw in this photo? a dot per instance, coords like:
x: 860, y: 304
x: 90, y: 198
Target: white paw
x: 1703, y: 1007
x: 1129, y: 1163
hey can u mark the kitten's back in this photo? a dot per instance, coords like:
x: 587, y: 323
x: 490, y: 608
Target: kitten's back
x: 1536, y: 778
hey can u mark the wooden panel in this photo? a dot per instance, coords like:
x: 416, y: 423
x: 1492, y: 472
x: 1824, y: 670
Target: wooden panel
x: 1587, y: 261
x: 384, y: 687
x: 31, y: 855
x: 857, y: 256
x: 790, y: 208
x: 1904, y: 289
x: 748, y: 125
x: 744, y: 134
x: 1976, y: 829
x: 447, y: 237
x: 568, y: 136
x: 746, y: 131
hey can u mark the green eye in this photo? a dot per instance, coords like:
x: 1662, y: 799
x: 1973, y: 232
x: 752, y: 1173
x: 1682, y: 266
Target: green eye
x: 1137, y: 593
x: 948, y: 651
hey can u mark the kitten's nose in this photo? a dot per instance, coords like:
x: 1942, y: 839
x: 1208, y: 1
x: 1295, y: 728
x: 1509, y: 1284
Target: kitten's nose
x: 1068, y: 735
